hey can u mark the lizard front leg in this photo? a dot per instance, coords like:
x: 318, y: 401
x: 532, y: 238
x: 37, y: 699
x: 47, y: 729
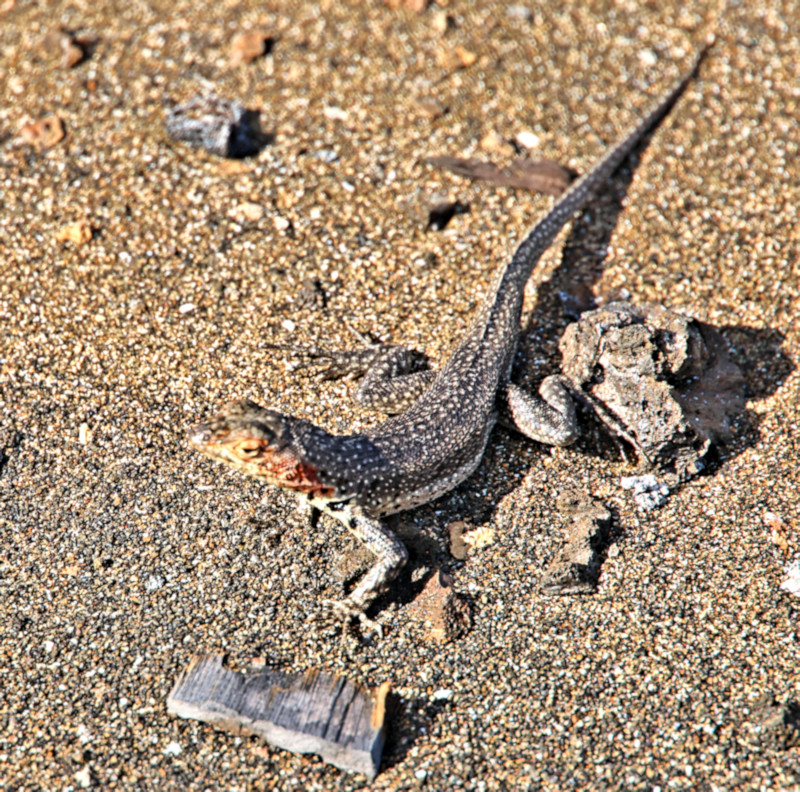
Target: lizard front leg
x: 390, y: 553
x: 550, y: 419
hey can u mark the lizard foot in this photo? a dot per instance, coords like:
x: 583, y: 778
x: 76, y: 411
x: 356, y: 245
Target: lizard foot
x: 344, y: 612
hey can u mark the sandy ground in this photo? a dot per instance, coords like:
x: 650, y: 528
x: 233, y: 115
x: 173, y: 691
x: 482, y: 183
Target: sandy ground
x: 124, y: 552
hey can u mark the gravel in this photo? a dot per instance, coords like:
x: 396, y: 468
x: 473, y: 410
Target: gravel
x: 124, y: 552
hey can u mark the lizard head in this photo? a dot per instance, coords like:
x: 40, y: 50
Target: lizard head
x: 259, y: 443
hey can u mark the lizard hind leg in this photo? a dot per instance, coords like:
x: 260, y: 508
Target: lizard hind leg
x: 393, y: 377
x: 394, y: 381
x: 550, y: 419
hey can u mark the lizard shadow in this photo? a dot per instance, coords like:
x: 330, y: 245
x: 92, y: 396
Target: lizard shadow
x: 560, y: 299
x: 568, y: 292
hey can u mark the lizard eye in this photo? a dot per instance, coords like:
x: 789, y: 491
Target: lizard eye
x: 249, y: 450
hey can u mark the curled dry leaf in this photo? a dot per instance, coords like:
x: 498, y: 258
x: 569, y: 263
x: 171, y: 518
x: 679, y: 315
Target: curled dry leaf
x: 44, y: 133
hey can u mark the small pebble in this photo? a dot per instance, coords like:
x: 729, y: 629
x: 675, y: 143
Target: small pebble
x: 218, y: 125
x: 248, y: 210
x: 528, y: 139
x: 45, y: 132
x: 792, y: 581
x: 520, y: 12
x: 247, y: 46
x: 79, y: 233
x: 335, y: 113
x: 83, y: 777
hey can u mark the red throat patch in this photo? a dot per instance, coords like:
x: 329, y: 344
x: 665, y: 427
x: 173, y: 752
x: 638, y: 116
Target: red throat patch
x: 287, y: 471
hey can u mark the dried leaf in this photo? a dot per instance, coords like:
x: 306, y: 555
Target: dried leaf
x: 544, y: 176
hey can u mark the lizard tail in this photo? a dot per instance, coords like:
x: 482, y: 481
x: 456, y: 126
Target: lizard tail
x: 544, y: 232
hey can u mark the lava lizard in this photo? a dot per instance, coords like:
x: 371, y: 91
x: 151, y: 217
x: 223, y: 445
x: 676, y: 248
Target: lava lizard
x: 440, y: 421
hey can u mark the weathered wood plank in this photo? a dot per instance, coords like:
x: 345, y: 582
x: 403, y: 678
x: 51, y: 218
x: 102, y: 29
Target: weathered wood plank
x: 312, y: 712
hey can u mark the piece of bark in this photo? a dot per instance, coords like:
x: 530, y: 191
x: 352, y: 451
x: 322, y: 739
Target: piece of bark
x: 446, y: 614
x: 660, y: 381
x: 576, y: 568
x: 314, y: 712
x: 544, y: 176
